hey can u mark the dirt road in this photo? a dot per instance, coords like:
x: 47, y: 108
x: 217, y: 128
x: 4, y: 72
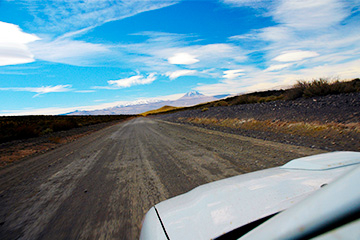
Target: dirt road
x: 100, y: 186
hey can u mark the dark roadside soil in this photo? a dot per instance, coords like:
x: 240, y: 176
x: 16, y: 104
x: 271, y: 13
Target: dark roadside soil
x: 18, y: 150
x: 339, y: 110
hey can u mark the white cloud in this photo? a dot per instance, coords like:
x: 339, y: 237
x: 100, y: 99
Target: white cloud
x: 347, y: 70
x: 40, y: 90
x: 69, y: 51
x: 231, y: 74
x: 309, y: 14
x: 11, y: 33
x: 301, y: 14
x: 216, y: 54
x: 258, y: 80
x: 276, y: 34
x: 182, y: 58
x: 179, y: 73
x: 62, y: 16
x: 134, y: 80
x: 13, y: 45
x: 278, y: 67
x: 273, y: 34
x: 293, y: 56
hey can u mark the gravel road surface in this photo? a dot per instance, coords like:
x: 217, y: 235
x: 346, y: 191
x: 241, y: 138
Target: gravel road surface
x: 101, y: 185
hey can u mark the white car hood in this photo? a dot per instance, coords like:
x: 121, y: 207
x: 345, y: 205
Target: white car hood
x: 216, y: 208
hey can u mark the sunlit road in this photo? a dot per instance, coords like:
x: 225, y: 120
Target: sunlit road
x: 100, y: 186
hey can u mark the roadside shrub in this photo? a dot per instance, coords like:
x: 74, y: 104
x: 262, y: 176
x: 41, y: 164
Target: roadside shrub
x: 46, y: 131
x: 26, y: 131
x: 244, y: 99
x: 55, y: 139
x: 270, y: 98
x: 321, y: 87
x: 63, y: 125
x: 221, y: 104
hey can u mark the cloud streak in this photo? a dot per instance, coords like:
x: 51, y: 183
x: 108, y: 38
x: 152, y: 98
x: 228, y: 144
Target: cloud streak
x: 68, y: 51
x: 179, y: 73
x: 40, y: 90
x: 308, y: 14
x: 132, y: 81
x: 231, y: 74
x: 64, y: 16
x: 294, y: 56
x: 278, y: 67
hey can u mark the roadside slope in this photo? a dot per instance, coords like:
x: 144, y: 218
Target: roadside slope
x: 329, y: 122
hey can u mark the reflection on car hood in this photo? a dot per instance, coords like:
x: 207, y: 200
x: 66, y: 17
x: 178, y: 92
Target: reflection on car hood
x: 216, y: 208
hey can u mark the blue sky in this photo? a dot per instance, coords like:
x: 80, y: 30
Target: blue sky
x: 62, y: 55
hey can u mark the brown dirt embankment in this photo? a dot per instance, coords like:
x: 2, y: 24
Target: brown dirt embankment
x: 328, y: 122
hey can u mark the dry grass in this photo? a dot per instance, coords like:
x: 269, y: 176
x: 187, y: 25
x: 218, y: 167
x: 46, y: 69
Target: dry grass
x: 14, y: 152
x: 56, y: 140
x: 295, y: 128
x: 321, y: 87
x: 163, y: 109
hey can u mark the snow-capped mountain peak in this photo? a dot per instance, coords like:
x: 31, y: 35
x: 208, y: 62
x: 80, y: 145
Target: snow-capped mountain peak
x: 192, y: 94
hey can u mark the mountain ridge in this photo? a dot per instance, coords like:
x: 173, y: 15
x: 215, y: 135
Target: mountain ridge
x: 188, y: 99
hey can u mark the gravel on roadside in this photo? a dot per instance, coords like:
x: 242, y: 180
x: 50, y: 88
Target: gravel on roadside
x: 331, y: 109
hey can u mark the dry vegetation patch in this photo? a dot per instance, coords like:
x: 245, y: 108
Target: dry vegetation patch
x: 331, y: 136
x: 163, y: 109
x: 18, y: 142
x: 313, y: 129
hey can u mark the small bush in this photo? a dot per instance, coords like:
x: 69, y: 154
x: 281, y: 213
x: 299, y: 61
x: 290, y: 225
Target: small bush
x: 293, y: 93
x: 204, y: 109
x: 221, y: 104
x: 63, y: 125
x: 244, y: 99
x: 270, y: 98
x: 26, y: 131
x: 55, y: 139
x: 46, y: 131
x: 321, y: 87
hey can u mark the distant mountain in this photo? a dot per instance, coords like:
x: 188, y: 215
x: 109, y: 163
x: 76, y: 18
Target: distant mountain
x: 192, y: 94
x: 189, y: 99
